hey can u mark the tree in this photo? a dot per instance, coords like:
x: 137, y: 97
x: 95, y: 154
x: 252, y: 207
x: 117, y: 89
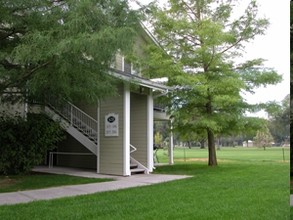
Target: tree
x: 25, y: 142
x: 263, y: 138
x: 62, y: 47
x: 158, y: 139
x: 279, y: 121
x: 201, y: 39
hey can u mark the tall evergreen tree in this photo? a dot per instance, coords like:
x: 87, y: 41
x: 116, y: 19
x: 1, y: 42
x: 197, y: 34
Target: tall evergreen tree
x: 202, y: 38
x: 62, y: 47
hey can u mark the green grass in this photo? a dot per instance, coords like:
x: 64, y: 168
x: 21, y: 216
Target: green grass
x: 236, y: 189
x: 228, y: 153
x: 41, y: 180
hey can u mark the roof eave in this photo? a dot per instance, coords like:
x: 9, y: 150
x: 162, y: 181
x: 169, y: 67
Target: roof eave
x: 140, y: 81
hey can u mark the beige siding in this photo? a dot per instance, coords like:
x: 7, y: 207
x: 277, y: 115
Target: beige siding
x: 111, y: 148
x: 71, y: 145
x: 90, y: 109
x: 138, y: 127
x: 139, y: 46
x: 119, y: 62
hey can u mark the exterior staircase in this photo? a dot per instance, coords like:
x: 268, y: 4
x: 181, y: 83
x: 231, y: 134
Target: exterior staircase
x: 84, y: 129
x: 135, y: 166
x: 134, y: 169
x: 76, y: 122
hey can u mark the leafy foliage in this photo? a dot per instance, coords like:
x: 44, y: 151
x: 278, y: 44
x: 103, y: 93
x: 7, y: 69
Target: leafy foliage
x: 263, y: 138
x: 62, y: 48
x: 158, y: 139
x: 279, y: 121
x: 24, y: 143
x: 202, y: 40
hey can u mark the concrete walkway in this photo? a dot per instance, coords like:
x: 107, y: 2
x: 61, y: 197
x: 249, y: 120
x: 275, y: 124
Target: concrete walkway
x: 75, y: 190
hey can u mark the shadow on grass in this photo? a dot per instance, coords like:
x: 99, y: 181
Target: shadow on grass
x: 38, y: 180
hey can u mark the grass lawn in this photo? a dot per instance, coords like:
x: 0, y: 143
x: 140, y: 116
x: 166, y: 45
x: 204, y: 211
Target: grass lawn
x: 236, y: 189
x: 36, y: 180
x: 240, y: 154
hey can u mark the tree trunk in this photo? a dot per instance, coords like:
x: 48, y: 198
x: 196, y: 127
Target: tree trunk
x: 202, y: 142
x: 189, y: 144
x: 212, y: 148
x: 211, y: 136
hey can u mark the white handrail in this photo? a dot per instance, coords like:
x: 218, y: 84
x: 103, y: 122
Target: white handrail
x: 78, y: 119
x: 140, y: 165
x: 133, y: 148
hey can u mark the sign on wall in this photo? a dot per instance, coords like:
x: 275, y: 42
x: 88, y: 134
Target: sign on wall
x: 111, y: 125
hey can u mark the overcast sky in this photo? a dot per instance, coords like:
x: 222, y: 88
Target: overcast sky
x: 274, y: 47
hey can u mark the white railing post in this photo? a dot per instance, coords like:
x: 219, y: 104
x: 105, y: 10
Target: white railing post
x: 71, y: 115
x: 79, y: 119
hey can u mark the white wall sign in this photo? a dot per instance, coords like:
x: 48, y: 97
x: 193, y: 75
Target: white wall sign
x: 111, y: 125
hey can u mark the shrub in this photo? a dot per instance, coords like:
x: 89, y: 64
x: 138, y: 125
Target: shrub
x: 24, y: 143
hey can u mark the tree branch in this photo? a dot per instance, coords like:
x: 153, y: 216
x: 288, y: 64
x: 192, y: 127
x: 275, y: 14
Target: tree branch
x: 23, y: 77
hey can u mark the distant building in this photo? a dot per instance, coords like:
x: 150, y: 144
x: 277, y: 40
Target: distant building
x: 248, y: 143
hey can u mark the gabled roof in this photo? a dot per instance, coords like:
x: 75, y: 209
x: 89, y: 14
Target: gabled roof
x: 149, y: 35
x: 139, y: 80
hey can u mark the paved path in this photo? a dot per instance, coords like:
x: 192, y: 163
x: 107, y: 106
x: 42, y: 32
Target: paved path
x: 74, y: 190
x: 291, y: 200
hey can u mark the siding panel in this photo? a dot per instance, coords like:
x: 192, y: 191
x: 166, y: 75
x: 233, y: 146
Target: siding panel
x: 138, y: 127
x: 111, y: 148
x: 71, y: 145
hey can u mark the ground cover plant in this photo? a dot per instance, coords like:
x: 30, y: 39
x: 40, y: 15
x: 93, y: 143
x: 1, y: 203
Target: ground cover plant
x: 36, y: 180
x: 237, y: 189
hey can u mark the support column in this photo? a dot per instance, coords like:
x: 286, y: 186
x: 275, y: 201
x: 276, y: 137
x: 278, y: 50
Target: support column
x: 126, y: 131
x: 150, y: 131
x: 171, y: 146
x: 98, y: 137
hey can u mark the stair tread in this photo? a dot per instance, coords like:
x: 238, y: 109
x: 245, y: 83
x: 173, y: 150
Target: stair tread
x: 137, y: 170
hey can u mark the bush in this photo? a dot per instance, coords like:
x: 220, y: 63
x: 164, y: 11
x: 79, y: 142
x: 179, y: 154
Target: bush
x: 24, y: 143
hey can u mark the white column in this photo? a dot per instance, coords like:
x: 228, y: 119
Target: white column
x: 126, y: 131
x: 171, y: 146
x: 150, y: 131
x: 98, y: 137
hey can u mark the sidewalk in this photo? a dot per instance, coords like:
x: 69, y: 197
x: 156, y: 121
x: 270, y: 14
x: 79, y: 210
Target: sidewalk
x: 291, y: 200
x: 84, y: 189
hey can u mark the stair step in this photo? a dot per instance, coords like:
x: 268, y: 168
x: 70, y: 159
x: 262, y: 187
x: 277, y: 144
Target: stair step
x: 137, y: 171
x: 133, y: 166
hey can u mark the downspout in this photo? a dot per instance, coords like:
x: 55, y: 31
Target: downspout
x: 98, y: 137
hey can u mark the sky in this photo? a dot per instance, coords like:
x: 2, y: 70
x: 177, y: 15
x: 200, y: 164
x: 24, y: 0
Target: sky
x: 274, y: 47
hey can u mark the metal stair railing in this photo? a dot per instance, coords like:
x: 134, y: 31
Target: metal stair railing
x: 77, y: 118
x: 140, y: 165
